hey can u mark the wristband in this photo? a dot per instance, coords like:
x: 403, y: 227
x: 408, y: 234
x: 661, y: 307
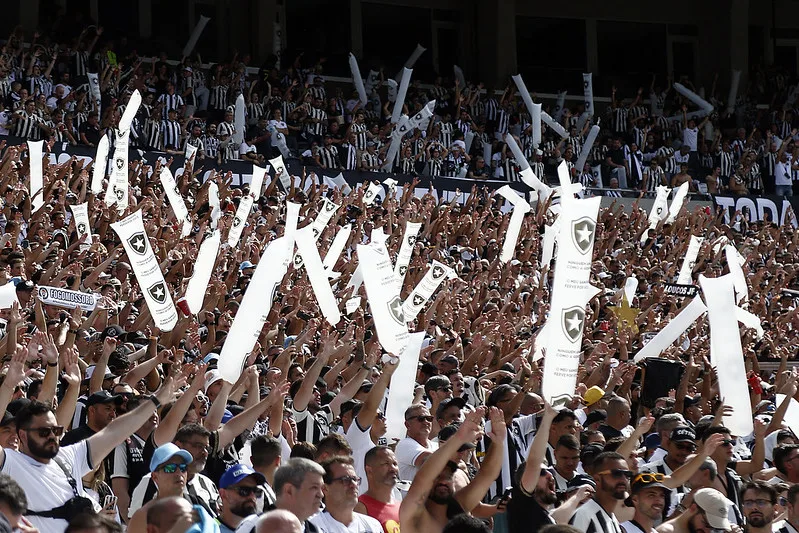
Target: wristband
x: 53, y: 364
x: 156, y: 402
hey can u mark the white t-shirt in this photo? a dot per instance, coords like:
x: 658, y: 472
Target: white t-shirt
x: 361, y: 442
x: 46, y: 485
x: 782, y: 174
x: 360, y: 524
x: 689, y: 137
x: 407, y: 451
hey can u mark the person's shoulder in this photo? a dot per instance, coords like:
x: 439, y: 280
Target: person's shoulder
x: 372, y: 523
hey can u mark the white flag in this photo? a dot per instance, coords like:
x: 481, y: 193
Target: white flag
x: 117, y: 191
x: 130, y: 111
x: 239, y: 220
x: 689, y: 261
x: 406, y: 249
x: 257, y: 183
x: 37, y: 176
x: 148, y: 272
x: 417, y: 299
x: 403, y: 383
x: 306, y: 246
x: 100, y: 164
x: 281, y: 173
x: 203, y: 268
x: 80, y: 213
x: 383, y: 296
x: 239, y: 121
x: 336, y: 247
x: 173, y: 194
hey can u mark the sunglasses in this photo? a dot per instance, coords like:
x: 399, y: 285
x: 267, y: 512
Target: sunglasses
x: 422, y: 418
x: 245, y: 491
x: 686, y: 447
x: 617, y: 473
x: 649, y: 477
x: 728, y: 442
x: 171, y: 468
x: 43, y: 433
x: 346, y: 479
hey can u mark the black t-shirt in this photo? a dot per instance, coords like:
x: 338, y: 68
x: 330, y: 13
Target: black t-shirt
x: 76, y: 435
x: 525, y: 514
x: 609, y: 432
x: 92, y: 133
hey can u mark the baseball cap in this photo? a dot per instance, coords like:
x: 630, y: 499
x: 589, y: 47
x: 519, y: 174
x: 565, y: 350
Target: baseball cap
x: 238, y: 472
x: 350, y: 405
x: 460, y: 403
x: 448, y: 431
x: 211, y: 377
x: 600, y: 415
x: 652, y: 441
x: 114, y: 330
x: 90, y: 373
x: 102, y: 396
x: 682, y: 434
x: 163, y: 453
x: 593, y: 395
x: 691, y: 401
x: 245, y: 265
x: 715, y: 506
x: 580, y: 480
x: 210, y: 357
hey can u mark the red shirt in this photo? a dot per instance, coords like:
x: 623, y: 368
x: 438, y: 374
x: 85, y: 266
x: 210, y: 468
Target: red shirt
x: 385, y: 513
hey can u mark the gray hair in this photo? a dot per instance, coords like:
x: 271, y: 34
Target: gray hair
x: 670, y: 421
x: 294, y: 472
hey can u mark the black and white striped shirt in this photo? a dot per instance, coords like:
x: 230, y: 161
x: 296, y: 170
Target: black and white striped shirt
x: 784, y: 527
x: 211, y: 144
x: 225, y: 128
x: 359, y: 130
x: 370, y: 160
x: 446, y: 129
x: 592, y: 518
x: 328, y: 155
x: 538, y: 169
x: 81, y: 63
x: 520, y: 434
x: 27, y: 126
x: 654, y: 177
x: 170, y: 134
x: 618, y: 119
x: 170, y: 101
x: 313, y: 427
x: 510, y: 169
x: 727, y: 163
x: 349, y: 156
x: 769, y: 160
x: 318, y: 124
x: 152, y: 132
x: 491, y: 108
x: 218, y: 99
x: 255, y: 111
x: 503, y: 122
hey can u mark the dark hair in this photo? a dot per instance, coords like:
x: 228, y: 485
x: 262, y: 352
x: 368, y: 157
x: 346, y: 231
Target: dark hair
x: 559, y: 528
x: 613, y: 444
x: 435, y: 383
x: 333, y: 444
x: 712, y: 430
x: 24, y: 417
x: 87, y: 521
x: 265, y: 450
x: 587, y: 434
x: 191, y: 430
x: 464, y: 523
x: 792, y: 492
x: 328, y: 463
x: 761, y: 487
x: 12, y: 495
x: 371, y: 455
x: 498, y: 393
x: 569, y: 442
x: 602, y: 458
x: 781, y: 454
x: 303, y: 450
x: 564, y: 414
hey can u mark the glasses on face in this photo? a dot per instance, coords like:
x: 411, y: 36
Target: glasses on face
x: 686, y: 447
x: 782, y: 500
x: 445, y: 389
x: 728, y: 442
x: 420, y: 418
x: 649, y: 477
x: 246, y: 491
x: 760, y: 502
x: 171, y: 468
x: 43, y: 433
x: 616, y: 473
x: 344, y: 480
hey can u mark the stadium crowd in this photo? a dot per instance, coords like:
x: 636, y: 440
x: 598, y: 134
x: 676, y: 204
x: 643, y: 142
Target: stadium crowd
x: 110, y: 423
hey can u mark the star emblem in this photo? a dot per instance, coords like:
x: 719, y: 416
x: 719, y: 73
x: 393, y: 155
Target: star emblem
x: 82, y: 228
x: 572, y: 322
x: 138, y: 243
x: 438, y: 272
x: 411, y: 239
x: 330, y: 207
x: 297, y: 260
x: 402, y: 270
x: 583, y: 234
x: 625, y: 316
x: 119, y: 163
x: 417, y: 299
x: 119, y: 193
x: 395, y: 309
x: 236, y: 221
x: 158, y: 292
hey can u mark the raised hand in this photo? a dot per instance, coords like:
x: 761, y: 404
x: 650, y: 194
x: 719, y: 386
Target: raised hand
x: 498, y: 428
x: 72, y: 374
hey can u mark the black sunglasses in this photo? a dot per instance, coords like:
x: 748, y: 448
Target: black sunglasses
x: 246, y: 491
x: 43, y: 433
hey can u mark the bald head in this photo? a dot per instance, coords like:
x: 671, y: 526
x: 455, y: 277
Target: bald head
x: 278, y: 521
x: 163, y: 513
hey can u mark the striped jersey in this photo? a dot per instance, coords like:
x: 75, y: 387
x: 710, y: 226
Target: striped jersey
x: 313, y: 427
x: 590, y: 517
x: 520, y: 434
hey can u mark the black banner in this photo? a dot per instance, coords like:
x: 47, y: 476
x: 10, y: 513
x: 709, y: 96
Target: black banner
x: 759, y: 208
x: 676, y: 289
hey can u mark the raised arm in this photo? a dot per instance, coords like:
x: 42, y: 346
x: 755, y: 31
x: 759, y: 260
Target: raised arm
x: 537, y: 453
x: 369, y: 409
x: 683, y: 474
x: 470, y: 495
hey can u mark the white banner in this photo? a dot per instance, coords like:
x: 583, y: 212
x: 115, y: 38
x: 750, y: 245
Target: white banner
x: 254, y: 308
x: 66, y: 298
x: 129, y: 114
x: 257, y: 182
x: 571, y: 293
x: 94, y: 90
x: 535, y: 119
x: 281, y: 172
x: 406, y: 249
x: 689, y: 261
x: 190, y: 152
x: 672, y: 331
x: 323, y: 217
x: 173, y: 195
x: 117, y: 191
x: 203, y: 268
x: 677, y: 202
x: 8, y: 295
x: 239, y: 220
x: 195, y: 35
x: 630, y: 288
x: 518, y: 155
x: 336, y: 247
x: 586, y: 149
x: 402, y: 387
x: 556, y: 126
x: 693, y: 97
x: 520, y: 209
x: 306, y: 248
x: 214, y: 204
x: 403, y: 89
x: 734, y: 261
x: 100, y: 165
x: 80, y: 213
x: 357, y: 80
x: 383, y: 296
x: 239, y: 120
x: 148, y: 272
x: 36, y: 173
x: 415, y: 55
x: 372, y: 192
x: 548, y: 244
x: 559, y: 103
x: 417, y: 299
x: 292, y: 218
x: 422, y: 116
x: 726, y: 352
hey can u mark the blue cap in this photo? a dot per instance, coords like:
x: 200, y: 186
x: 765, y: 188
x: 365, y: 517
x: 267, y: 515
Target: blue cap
x: 237, y: 473
x: 162, y: 454
x: 246, y: 264
x: 227, y: 415
x: 210, y: 357
x: 652, y: 441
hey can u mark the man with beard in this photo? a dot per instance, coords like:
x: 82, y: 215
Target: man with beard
x: 649, y: 496
x: 534, y: 493
x: 431, y: 501
x: 707, y: 512
x: 341, y: 496
x: 382, y: 473
x: 791, y: 522
x: 238, y: 488
x: 41, y: 464
x: 758, y: 499
x: 612, y: 482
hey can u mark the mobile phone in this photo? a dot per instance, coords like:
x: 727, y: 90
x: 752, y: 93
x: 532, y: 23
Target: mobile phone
x: 109, y: 502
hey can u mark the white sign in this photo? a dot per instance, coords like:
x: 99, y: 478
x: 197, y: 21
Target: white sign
x: 37, y: 178
x: 80, y: 213
x: 417, y: 299
x: 67, y: 298
x: 383, y: 296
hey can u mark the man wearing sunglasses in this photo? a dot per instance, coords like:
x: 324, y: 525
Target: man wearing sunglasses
x: 416, y: 447
x: 649, y: 497
x: 612, y: 484
x: 238, y: 489
x: 791, y: 522
x: 341, y: 496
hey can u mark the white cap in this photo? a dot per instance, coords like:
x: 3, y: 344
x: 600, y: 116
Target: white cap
x: 715, y: 506
x: 211, y: 377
